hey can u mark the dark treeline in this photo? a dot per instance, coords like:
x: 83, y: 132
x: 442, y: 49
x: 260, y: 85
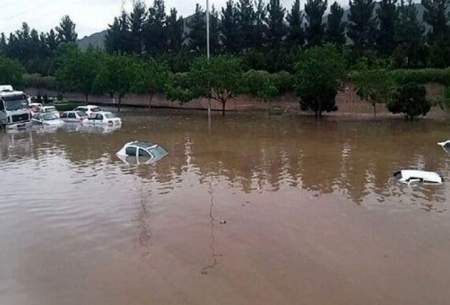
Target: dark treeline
x: 268, y: 36
x: 263, y: 33
x: 37, y: 51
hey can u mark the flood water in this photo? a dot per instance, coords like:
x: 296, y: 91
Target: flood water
x: 254, y: 210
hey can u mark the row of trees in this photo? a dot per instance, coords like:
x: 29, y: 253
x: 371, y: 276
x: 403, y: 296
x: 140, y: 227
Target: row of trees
x: 37, y: 51
x: 386, y: 28
x: 319, y: 74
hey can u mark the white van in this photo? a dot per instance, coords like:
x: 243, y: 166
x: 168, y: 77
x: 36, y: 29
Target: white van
x: 14, y: 112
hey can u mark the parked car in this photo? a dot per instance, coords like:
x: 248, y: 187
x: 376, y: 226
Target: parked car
x: 47, y: 119
x: 418, y: 176
x: 75, y: 117
x: 141, y: 153
x: 90, y: 110
x: 105, y: 118
x: 50, y: 109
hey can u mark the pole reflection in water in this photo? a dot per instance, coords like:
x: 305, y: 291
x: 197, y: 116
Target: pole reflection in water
x: 212, y: 234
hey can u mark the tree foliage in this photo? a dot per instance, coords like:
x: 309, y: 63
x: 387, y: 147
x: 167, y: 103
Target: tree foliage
x: 315, y: 28
x: 335, y: 31
x: 362, y: 25
x: 319, y: 75
x: 11, y: 72
x: 411, y: 100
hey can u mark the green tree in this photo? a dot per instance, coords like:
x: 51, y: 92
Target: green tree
x: 230, y: 27
x: 319, y: 75
x: 218, y: 78
x: 11, y: 72
x: 116, y: 76
x: 260, y: 30
x: 118, y: 35
x: 411, y: 100
x: 362, y: 25
x: 335, y: 31
x: 374, y: 86
x: 154, y: 32
x: 296, y: 35
x: 246, y: 22
x: 436, y: 15
x: 387, y: 14
x: 197, y: 26
x: 409, y: 37
x: 66, y: 30
x: 315, y: 28
x: 174, y: 31
x: 78, y: 70
x: 151, y: 77
x: 137, y: 21
x: 276, y: 29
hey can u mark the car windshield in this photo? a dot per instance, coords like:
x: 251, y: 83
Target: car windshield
x: 109, y: 116
x: 81, y: 114
x: 48, y: 117
x: 49, y: 109
x: 95, y: 109
x: 15, y: 102
x: 158, y: 152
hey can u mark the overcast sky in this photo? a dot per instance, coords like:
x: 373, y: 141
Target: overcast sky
x: 90, y: 16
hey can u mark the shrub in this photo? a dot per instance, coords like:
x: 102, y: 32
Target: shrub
x: 422, y: 76
x: 40, y: 82
x: 410, y: 99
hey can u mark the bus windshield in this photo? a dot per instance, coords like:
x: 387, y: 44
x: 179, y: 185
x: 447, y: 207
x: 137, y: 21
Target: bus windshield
x: 15, y: 102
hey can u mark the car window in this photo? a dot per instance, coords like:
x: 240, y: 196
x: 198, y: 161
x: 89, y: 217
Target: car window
x: 2, y: 107
x: 64, y: 115
x: 81, y: 114
x: 72, y: 115
x: 99, y: 117
x: 131, y: 151
x: 144, y: 153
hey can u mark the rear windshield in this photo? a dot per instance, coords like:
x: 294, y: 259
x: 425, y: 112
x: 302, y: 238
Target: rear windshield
x: 109, y: 116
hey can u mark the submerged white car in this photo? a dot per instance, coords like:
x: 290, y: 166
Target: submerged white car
x: 105, y: 118
x: 50, y: 109
x: 141, y: 153
x: 418, y: 176
x: 74, y: 117
x: 445, y: 145
x: 48, y: 119
x: 90, y: 110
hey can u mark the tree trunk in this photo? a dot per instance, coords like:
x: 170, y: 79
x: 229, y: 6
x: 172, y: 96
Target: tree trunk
x: 86, y: 98
x: 119, y: 103
x: 374, y: 109
x: 150, y: 99
x: 223, y: 108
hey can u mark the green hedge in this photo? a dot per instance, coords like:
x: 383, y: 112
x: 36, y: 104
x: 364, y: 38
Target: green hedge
x: 40, y: 82
x: 422, y: 76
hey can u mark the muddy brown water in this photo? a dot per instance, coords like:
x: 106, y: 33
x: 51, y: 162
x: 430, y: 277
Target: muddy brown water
x: 254, y: 210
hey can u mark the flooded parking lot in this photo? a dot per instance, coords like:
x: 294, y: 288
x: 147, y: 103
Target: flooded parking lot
x: 254, y: 210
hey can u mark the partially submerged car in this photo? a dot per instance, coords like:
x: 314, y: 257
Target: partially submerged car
x: 445, y: 145
x: 74, y: 117
x: 90, y: 110
x: 50, y: 109
x: 47, y: 119
x: 141, y: 153
x: 105, y: 118
x: 418, y: 176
